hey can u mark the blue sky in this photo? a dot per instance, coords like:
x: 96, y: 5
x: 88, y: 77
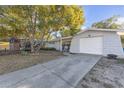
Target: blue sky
x: 95, y: 13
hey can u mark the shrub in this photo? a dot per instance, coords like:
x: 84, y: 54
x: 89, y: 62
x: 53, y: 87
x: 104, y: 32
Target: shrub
x: 47, y: 48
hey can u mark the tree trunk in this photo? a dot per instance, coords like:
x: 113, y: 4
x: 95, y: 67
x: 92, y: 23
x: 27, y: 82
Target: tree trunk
x: 31, y: 39
x: 48, y: 36
x: 32, y: 47
x: 41, y: 43
x: 33, y: 21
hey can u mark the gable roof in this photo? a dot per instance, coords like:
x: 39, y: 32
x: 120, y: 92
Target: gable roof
x: 120, y: 31
x: 105, y: 30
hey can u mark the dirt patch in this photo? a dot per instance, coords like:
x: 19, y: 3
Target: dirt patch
x: 107, y: 73
x: 11, y: 63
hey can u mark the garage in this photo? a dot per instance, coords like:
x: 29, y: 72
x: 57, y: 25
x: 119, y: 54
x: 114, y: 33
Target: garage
x: 97, y: 41
x: 95, y: 44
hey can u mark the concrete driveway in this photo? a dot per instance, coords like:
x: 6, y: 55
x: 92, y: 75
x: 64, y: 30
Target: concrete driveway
x: 63, y: 73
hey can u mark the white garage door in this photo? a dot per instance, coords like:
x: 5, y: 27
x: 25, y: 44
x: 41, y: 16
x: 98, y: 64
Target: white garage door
x: 91, y: 45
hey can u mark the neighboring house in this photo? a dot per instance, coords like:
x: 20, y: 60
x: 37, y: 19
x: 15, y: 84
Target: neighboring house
x: 97, y: 41
x: 61, y: 44
x: 4, y: 46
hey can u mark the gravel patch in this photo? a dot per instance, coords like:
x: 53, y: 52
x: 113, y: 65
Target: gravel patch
x: 107, y: 73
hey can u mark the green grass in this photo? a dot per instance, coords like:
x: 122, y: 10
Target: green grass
x: 121, y: 61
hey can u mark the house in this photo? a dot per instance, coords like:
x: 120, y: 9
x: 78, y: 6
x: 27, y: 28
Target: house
x: 61, y: 44
x: 4, y: 46
x: 97, y: 41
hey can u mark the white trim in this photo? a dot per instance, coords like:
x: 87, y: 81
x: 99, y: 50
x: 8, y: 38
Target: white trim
x: 105, y: 30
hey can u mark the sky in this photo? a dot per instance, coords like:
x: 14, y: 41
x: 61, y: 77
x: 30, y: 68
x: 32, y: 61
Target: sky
x: 96, y: 13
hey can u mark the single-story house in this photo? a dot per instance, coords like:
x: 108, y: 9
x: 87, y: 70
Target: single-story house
x: 61, y: 44
x: 97, y: 41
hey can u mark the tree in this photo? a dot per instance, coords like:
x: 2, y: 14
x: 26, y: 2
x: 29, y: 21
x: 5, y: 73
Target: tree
x: 19, y: 19
x: 109, y: 23
x: 9, y: 25
x: 75, y: 21
x: 38, y: 22
x: 70, y: 32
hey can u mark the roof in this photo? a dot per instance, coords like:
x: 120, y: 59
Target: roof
x: 120, y: 31
x: 105, y: 30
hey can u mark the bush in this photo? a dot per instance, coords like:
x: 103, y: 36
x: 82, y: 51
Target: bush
x: 24, y: 53
x: 47, y: 48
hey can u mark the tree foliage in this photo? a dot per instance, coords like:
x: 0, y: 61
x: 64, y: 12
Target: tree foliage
x: 38, y: 22
x: 76, y: 21
x: 109, y: 23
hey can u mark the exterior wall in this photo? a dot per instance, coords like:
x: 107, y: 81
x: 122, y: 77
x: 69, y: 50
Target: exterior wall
x: 74, y: 48
x: 49, y: 45
x: 56, y: 44
x: 59, y: 43
x: 111, y: 42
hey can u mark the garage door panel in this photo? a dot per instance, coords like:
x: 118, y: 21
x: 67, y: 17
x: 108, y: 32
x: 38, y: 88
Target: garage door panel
x: 91, y: 45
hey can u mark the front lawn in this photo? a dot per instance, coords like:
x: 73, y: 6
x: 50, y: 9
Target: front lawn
x: 11, y: 63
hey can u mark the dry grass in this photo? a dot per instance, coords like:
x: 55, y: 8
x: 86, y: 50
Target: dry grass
x: 121, y: 61
x: 11, y: 63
